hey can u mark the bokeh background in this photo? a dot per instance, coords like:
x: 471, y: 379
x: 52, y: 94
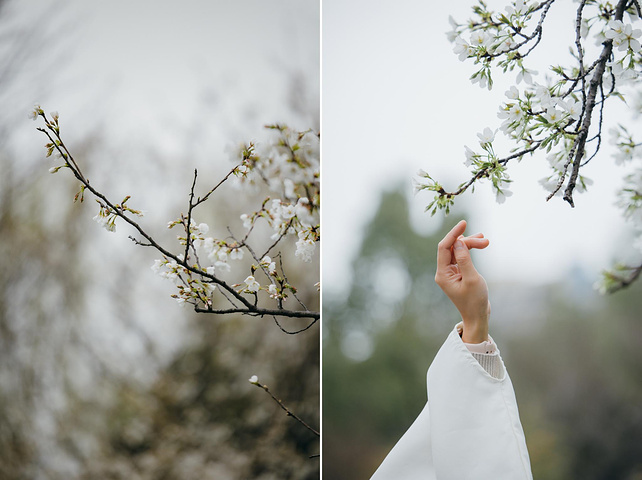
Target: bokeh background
x: 102, y: 374
x: 396, y: 99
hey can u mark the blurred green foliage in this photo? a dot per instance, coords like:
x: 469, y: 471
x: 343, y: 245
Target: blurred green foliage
x: 367, y: 404
x: 577, y: 372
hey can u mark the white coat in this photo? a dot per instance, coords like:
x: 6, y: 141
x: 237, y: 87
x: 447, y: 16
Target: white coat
x: 469, y: 428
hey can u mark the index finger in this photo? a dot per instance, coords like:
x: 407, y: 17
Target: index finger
x: 444, y: 255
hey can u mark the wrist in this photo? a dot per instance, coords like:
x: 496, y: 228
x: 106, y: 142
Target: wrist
x: 475, y: 330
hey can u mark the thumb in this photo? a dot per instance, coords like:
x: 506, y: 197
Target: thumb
x: 462, y: 255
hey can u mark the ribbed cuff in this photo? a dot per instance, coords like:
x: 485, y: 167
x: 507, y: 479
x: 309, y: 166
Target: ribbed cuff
x: 491, y: 363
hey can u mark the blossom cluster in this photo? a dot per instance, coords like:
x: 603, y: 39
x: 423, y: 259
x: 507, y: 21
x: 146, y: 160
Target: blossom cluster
x: 630, y: 199
x: 625, y: 147
x: 289, y: 168
x: 547, y: 116
x: 106, y: 219
x: 190, y: 288
x: 107, y: 215
x: 501, y: 37
x: 495, y: 36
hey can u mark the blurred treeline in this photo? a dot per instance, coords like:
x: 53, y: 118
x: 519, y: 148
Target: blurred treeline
x: 102, y: 374
x: 575, y: 359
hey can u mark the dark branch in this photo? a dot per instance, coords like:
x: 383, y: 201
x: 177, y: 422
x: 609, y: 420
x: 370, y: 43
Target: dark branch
x: 598, y: 135
x: 596, y: 80
x: 260, y: 312
x: 296, y: 331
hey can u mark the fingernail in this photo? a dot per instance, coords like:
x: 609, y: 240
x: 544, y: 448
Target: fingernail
x: 458, y: 245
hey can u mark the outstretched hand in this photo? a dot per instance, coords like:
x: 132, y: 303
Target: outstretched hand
x: 457, y: 277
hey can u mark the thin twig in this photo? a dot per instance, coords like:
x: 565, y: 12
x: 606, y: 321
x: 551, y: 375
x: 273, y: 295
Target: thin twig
x: 286, y: 409
x: 138, y: 242
x: 286, y: 281
x: 280, y: 237
x: 296, y: 331
x: 188, y: 238
x: 537, y: 33
x: 207, y: 195
x: 484, y: 172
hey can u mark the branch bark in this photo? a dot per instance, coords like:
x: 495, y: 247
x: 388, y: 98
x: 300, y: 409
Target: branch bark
x: 595, y: 82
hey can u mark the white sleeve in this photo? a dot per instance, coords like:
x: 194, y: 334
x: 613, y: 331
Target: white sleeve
x: 469, y: 429
x: 411, y: 457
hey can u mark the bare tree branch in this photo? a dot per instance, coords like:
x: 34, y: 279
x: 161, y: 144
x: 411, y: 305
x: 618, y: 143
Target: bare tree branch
x: 52, y: 132
x: 286, y: 409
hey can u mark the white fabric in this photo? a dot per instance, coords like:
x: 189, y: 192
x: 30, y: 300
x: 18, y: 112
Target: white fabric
x: 468, y: 430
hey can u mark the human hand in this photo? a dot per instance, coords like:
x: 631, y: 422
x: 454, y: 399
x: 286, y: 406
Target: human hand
x: 457, y: 277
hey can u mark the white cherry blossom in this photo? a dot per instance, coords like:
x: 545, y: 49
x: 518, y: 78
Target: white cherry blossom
x: 462, y: 49
x: 552, y: 115
x: 517, y: 8
x: 512, y: 93
x: 247, y: 221
x: 251, y: 284
x: 526, y: 75
x: 572, y: 107
x: 470, y: 155
x: 269, y: 264
x: 487, y: 136
x: 479, y: 38
x: 305, y: 246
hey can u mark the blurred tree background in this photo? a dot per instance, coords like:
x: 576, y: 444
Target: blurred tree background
x: 102, y: 375
x: 575, y: 358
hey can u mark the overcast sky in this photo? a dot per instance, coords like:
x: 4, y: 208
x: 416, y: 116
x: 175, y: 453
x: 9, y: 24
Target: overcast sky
x: 151, y: 69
